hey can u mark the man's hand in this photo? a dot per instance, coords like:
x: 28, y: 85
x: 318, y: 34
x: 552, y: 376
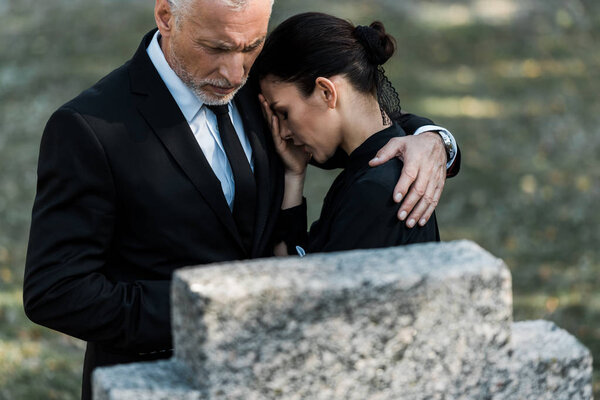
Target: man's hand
x: 423, y: 175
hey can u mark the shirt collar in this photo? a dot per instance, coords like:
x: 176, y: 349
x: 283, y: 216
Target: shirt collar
x: 187, y: 101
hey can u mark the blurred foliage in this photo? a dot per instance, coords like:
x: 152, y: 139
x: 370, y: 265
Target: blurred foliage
x: 516, y: 82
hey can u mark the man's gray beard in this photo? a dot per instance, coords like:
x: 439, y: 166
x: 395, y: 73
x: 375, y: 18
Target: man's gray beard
x: 197, y: 85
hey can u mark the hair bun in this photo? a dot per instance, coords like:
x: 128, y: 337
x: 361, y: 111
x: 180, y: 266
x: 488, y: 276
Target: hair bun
x: 379, y: 45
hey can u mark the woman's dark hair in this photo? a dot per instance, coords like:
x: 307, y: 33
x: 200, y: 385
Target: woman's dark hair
x: 310, y: 45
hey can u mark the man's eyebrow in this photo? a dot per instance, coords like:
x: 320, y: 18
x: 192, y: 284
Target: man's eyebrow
x: 228, y: 46
x: 256, y: 43
x: 214, y: 43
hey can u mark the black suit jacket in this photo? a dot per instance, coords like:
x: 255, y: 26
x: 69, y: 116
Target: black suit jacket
x: 125, y: 196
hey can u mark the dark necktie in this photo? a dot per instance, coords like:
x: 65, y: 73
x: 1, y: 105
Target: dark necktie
x: 244, y: 200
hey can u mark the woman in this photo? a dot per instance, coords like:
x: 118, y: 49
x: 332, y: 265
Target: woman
x: 323, y: 89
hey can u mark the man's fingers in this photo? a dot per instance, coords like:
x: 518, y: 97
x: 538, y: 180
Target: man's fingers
x: 393, y: 148
x: 425, y: 207
x: 415, y: 194
x: 418, y: 202
x: 419, y: 213
x: 407, y: 178
x: 437, y: 194
x: 426, y: 215
x: 423, y: 176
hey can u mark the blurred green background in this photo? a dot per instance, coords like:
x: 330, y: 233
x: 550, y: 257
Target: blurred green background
x: 517, y: 82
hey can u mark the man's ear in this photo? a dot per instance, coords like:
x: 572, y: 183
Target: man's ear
x: 327, y: 91
x: 163, y: 15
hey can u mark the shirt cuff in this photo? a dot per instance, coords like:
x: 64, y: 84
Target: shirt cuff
x: 427, y: 128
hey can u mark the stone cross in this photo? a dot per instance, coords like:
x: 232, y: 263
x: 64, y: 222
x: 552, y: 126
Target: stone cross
x: 426, y: 321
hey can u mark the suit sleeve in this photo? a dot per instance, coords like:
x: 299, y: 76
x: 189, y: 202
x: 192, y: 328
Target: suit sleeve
x: 410, y: 123
x: 367, y: 219
x: 72, y: 227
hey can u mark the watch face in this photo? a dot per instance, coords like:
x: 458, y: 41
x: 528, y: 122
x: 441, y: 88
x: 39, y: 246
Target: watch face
x: 450, y: 151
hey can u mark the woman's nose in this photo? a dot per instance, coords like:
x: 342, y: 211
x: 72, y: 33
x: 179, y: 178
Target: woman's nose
x: 285, y: 132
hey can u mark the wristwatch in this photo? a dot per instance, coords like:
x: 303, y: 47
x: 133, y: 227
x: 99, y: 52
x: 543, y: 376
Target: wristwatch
x: 450, y: 150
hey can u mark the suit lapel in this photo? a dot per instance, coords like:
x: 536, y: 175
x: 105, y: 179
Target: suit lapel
x: 164, y: 116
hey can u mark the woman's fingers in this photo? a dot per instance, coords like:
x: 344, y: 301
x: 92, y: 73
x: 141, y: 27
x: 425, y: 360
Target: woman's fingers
x: 294, y: 157
x: 273, y: 122
x: 264, y: 106
x: 275, y: 131
x: 267, y: 112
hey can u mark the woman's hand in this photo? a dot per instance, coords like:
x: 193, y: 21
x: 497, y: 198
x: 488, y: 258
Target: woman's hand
x: 295, y: 158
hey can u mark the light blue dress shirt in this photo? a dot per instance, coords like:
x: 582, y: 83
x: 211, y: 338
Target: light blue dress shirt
x: 202, y: 122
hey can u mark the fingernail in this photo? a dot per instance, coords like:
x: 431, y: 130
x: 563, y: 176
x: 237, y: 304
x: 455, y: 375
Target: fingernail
x: 398, y: 197
x: 402, y: 215
x: 411, y: 223
x: 422, y: 222
x: 375, y: 159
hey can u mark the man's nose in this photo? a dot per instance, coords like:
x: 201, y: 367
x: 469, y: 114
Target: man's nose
x: 233, y: 69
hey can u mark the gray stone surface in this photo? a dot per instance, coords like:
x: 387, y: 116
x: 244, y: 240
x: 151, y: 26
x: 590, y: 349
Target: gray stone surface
x: 160, y: 380
x: 546, y: 363
x: 422, y: 322
x: 412, y: 322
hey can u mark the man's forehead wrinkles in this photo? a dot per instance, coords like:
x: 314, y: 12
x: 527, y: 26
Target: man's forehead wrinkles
x: 239, y: 30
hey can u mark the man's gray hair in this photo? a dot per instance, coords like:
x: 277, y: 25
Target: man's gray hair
x: 179, y: 7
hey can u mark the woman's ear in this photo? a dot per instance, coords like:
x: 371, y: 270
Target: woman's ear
x: 327, y: 91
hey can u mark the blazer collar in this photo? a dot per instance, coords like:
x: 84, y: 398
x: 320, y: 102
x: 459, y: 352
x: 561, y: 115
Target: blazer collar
x: 188, y: 102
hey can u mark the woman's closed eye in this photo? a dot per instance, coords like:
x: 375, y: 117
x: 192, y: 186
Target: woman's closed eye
x: 281, y: 114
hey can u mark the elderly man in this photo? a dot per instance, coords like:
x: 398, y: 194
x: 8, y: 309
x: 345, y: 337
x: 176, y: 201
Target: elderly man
x: 140, y: 175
